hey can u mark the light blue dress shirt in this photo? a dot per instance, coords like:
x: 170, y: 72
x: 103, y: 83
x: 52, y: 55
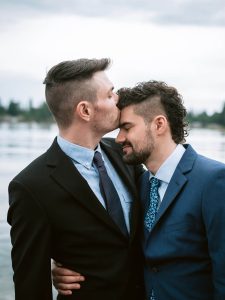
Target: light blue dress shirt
x: 83, y: 160
x: 166, y: 170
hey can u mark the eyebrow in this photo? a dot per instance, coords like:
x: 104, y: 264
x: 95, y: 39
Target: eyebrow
x: 124, y: 124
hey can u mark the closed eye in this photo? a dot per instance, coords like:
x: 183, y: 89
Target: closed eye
x: 125, y: 126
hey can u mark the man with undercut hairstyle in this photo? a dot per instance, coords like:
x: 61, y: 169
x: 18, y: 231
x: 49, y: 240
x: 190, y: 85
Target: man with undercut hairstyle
x: 182, y: 197
x: 77, y: 203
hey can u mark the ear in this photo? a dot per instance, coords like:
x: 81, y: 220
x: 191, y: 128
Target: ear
x: 160, y: 124
x: 83, y: 110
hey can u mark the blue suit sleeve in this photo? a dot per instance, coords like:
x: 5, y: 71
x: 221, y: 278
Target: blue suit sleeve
x: 214, y: 218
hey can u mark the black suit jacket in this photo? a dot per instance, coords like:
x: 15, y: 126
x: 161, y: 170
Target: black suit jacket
x: 55, y: 214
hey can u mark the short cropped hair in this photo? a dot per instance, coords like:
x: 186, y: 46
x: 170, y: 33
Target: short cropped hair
x: 156, y: 97
x: 69, y: 82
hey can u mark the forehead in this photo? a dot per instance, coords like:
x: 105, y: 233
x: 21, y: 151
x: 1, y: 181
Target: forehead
x: 102, y: 81
x: 128, y: 115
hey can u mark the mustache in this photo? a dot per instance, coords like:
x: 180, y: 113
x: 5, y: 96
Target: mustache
x: 126, y: 144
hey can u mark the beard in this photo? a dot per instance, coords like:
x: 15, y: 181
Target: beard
x: 139, y: 156
x: 136, y: 158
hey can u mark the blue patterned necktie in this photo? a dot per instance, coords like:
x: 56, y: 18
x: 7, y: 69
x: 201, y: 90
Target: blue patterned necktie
x: 110, y: 195
x: 152, y: 210
x: 153, y: 203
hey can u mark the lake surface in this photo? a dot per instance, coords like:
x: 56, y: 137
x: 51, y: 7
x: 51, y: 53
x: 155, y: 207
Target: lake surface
x: 21, y: 143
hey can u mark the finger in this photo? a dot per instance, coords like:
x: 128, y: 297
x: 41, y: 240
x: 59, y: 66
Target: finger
x: 59, y: 271
x: 68, y: 279
x: 67, y: 287
x: 64, y: 293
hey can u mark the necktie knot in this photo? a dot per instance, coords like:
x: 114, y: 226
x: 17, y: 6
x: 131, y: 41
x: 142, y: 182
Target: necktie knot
x: 98, y: 161
x: 155, y: 182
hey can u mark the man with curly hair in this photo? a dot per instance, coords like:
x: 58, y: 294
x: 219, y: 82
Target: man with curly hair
x: 182, y: 197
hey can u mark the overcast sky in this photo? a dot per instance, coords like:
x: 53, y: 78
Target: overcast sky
x: 181, y: 42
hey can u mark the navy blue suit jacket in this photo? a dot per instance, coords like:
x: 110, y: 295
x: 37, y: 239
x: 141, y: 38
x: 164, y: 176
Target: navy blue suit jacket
x: 185, y: 250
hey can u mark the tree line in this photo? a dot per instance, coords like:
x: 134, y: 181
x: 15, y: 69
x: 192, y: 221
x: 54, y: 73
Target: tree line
x: 204, y: 119
x: 14, y: 111
x: 42, y: 114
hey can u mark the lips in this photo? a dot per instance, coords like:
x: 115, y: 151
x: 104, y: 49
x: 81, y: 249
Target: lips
x: 126, y: 147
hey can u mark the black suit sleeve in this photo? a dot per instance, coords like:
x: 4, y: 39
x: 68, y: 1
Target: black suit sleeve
x: 30, y: 236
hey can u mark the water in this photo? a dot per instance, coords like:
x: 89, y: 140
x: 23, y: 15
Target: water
x: 21, y: 143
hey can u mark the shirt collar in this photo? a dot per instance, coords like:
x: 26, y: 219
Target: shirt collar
x: 166, y: 170
x: 77, y: 153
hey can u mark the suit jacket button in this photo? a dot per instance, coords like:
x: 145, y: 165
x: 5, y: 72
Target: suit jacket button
x: 155, y: 270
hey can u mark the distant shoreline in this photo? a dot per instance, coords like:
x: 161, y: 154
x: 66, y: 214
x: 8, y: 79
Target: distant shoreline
x: 20, y: 120
x: 207, y: 126
x: 15, y: 114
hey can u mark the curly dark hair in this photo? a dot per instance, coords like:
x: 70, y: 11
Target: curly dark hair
x: 170, y: 102
x: 68, y: 82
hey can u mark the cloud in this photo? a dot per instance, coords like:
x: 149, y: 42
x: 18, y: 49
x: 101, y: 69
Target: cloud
x: 190, y: 58
x: 173, y: 12
x: 25, y: 87
x: 38, y: 34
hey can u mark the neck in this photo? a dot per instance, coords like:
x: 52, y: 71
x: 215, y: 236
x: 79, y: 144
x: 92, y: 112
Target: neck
x: 80, y: 135
x: 159, y: 155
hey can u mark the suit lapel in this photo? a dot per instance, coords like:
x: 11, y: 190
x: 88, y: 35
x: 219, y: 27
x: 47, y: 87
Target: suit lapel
x: 144, y: 188
x: 65, y: 174
x: 177, y: 182
x: 134, y: 217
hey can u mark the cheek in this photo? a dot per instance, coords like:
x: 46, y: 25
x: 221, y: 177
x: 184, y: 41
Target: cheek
x: 139, y: 140
x: 114, y: 112
x: 110, y: 108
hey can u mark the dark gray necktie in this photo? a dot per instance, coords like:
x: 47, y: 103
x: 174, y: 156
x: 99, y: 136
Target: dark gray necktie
x: 109, y: 193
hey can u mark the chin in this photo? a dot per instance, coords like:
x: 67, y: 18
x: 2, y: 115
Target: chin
x: 134, y: 158
x: 129, y: 160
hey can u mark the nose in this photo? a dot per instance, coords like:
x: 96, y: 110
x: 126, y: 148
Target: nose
x: 120, y: 137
